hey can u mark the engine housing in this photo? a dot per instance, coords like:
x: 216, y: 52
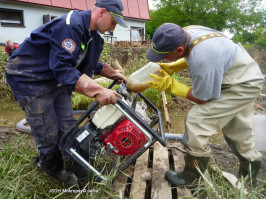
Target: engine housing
x: 125, y: 139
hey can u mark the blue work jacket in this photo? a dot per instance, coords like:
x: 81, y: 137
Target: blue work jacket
x: 49, y: 57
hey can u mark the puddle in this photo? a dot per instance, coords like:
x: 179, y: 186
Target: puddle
x: 178, y: 127
x: 12, y: 116
x: 16, y: 116
x: 259, y: 131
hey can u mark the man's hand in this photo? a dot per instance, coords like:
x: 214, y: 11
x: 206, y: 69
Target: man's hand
x: 89, y: 87
x: 172, y: 67
x: 109, y: 72
x: 107, y: 97
x: 166, y: 82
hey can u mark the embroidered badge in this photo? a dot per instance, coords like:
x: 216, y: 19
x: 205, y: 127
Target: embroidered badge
x: 69, y: 45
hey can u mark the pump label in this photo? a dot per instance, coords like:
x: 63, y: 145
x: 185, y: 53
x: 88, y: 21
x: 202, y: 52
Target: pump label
x: 83, y: 135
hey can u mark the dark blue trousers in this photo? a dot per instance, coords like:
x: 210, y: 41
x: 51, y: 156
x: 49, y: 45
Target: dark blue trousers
x: 49, y: 118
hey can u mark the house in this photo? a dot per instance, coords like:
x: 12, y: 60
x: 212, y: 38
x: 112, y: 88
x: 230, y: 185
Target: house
x: 19, y: 17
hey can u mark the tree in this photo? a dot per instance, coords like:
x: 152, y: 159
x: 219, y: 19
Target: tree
x: 237, y: 16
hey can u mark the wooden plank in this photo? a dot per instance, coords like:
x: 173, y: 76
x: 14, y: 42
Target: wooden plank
x: 120, y: 182
x: 161, y: 189
x: 179, y: 164
x: 138, y: 186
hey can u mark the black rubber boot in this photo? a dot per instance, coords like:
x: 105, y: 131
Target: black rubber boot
x: 80, y: 172
x: 54, y: 166
x: 250, y: 169
x: 190, y: 173
x: 245, y: 164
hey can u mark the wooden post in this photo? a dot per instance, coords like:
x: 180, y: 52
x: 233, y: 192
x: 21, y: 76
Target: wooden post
x: 166, y: 115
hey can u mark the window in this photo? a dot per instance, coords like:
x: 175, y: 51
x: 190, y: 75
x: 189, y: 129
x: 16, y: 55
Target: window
x: 109, y: 33
x: 48, y: 17
x: 11, y: 18
x: 136, y: 34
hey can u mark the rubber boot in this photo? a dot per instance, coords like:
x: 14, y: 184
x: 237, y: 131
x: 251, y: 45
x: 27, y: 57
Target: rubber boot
x: 53, y: 165
x: 250, y: 169
x: 80, y: 172
x: 245, y: 164
x: 190, y: 173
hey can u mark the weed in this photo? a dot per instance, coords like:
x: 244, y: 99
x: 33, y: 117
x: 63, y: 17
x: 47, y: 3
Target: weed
x: 217, y: 187
x: 5, y: 91
x: 21, y: 180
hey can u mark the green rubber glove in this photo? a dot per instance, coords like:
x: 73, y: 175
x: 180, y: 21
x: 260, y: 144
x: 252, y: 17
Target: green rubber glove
x: 167, y: 83
x: 172, y: 67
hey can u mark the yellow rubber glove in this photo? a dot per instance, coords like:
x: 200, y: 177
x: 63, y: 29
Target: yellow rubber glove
x: 167, y: 83
x: 172, y: 67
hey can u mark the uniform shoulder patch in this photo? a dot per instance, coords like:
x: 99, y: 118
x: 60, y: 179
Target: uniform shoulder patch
x: 69, y: 45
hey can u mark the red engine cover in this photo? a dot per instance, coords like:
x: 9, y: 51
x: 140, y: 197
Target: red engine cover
x: 126, y: 138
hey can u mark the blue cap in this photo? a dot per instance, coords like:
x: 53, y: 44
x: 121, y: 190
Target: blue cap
x: 115, y: 8
x: 166, y: 38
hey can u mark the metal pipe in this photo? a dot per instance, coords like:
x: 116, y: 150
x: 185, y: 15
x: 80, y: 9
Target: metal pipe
x: 73, y: 151
x: 171, y: 136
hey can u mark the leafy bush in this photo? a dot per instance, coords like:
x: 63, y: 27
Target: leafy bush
x: 5, y: 90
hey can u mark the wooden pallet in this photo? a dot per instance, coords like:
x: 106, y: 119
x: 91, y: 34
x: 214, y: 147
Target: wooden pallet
x: 145, y: 180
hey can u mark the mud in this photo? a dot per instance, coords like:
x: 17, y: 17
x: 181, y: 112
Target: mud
x: 11, y: 135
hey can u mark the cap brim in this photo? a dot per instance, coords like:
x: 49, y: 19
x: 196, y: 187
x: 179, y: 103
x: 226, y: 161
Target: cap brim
x: 154, y: 56
x: 119, y: 20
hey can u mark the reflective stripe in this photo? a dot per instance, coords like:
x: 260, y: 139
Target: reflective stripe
x: 158, y: 51
x: 116, y: 14
x: 191, y: 26
x: 68, y: 17
x: 204, y: 37
x: 82, y: 46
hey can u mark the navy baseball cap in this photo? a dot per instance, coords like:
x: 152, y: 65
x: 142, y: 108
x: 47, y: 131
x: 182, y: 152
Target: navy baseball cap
x: 115, y: 8
x: 166, y: 38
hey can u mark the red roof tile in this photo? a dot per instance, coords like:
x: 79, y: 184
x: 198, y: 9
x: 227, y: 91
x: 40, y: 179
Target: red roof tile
x: 138, y: 9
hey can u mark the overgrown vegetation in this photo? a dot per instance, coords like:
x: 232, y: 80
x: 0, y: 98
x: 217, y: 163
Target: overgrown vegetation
x: 21, y: 180
x: 215, y: 186
x: 5, y: 91
x: 243, y: 18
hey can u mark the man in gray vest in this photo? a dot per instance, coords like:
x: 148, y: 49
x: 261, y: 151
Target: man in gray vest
x: 225, y: 82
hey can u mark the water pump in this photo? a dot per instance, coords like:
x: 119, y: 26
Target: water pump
x: 114, y: 135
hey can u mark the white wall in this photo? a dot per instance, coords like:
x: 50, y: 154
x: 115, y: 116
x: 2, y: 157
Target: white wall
x: 33, y: 18
x: 123, y: 34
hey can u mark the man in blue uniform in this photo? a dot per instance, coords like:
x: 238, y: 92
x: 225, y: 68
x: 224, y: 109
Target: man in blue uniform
x: 225, y: 83
x: 60, y: 57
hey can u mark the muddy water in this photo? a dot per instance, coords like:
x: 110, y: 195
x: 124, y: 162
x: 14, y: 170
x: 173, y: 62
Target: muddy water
x: 12, y: 116
x: 178, y: 127
x: 16, y: 116
x: 259, y: 131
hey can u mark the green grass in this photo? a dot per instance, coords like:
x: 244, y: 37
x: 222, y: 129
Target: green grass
x: 20, y: 179
x: 217, y: 187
